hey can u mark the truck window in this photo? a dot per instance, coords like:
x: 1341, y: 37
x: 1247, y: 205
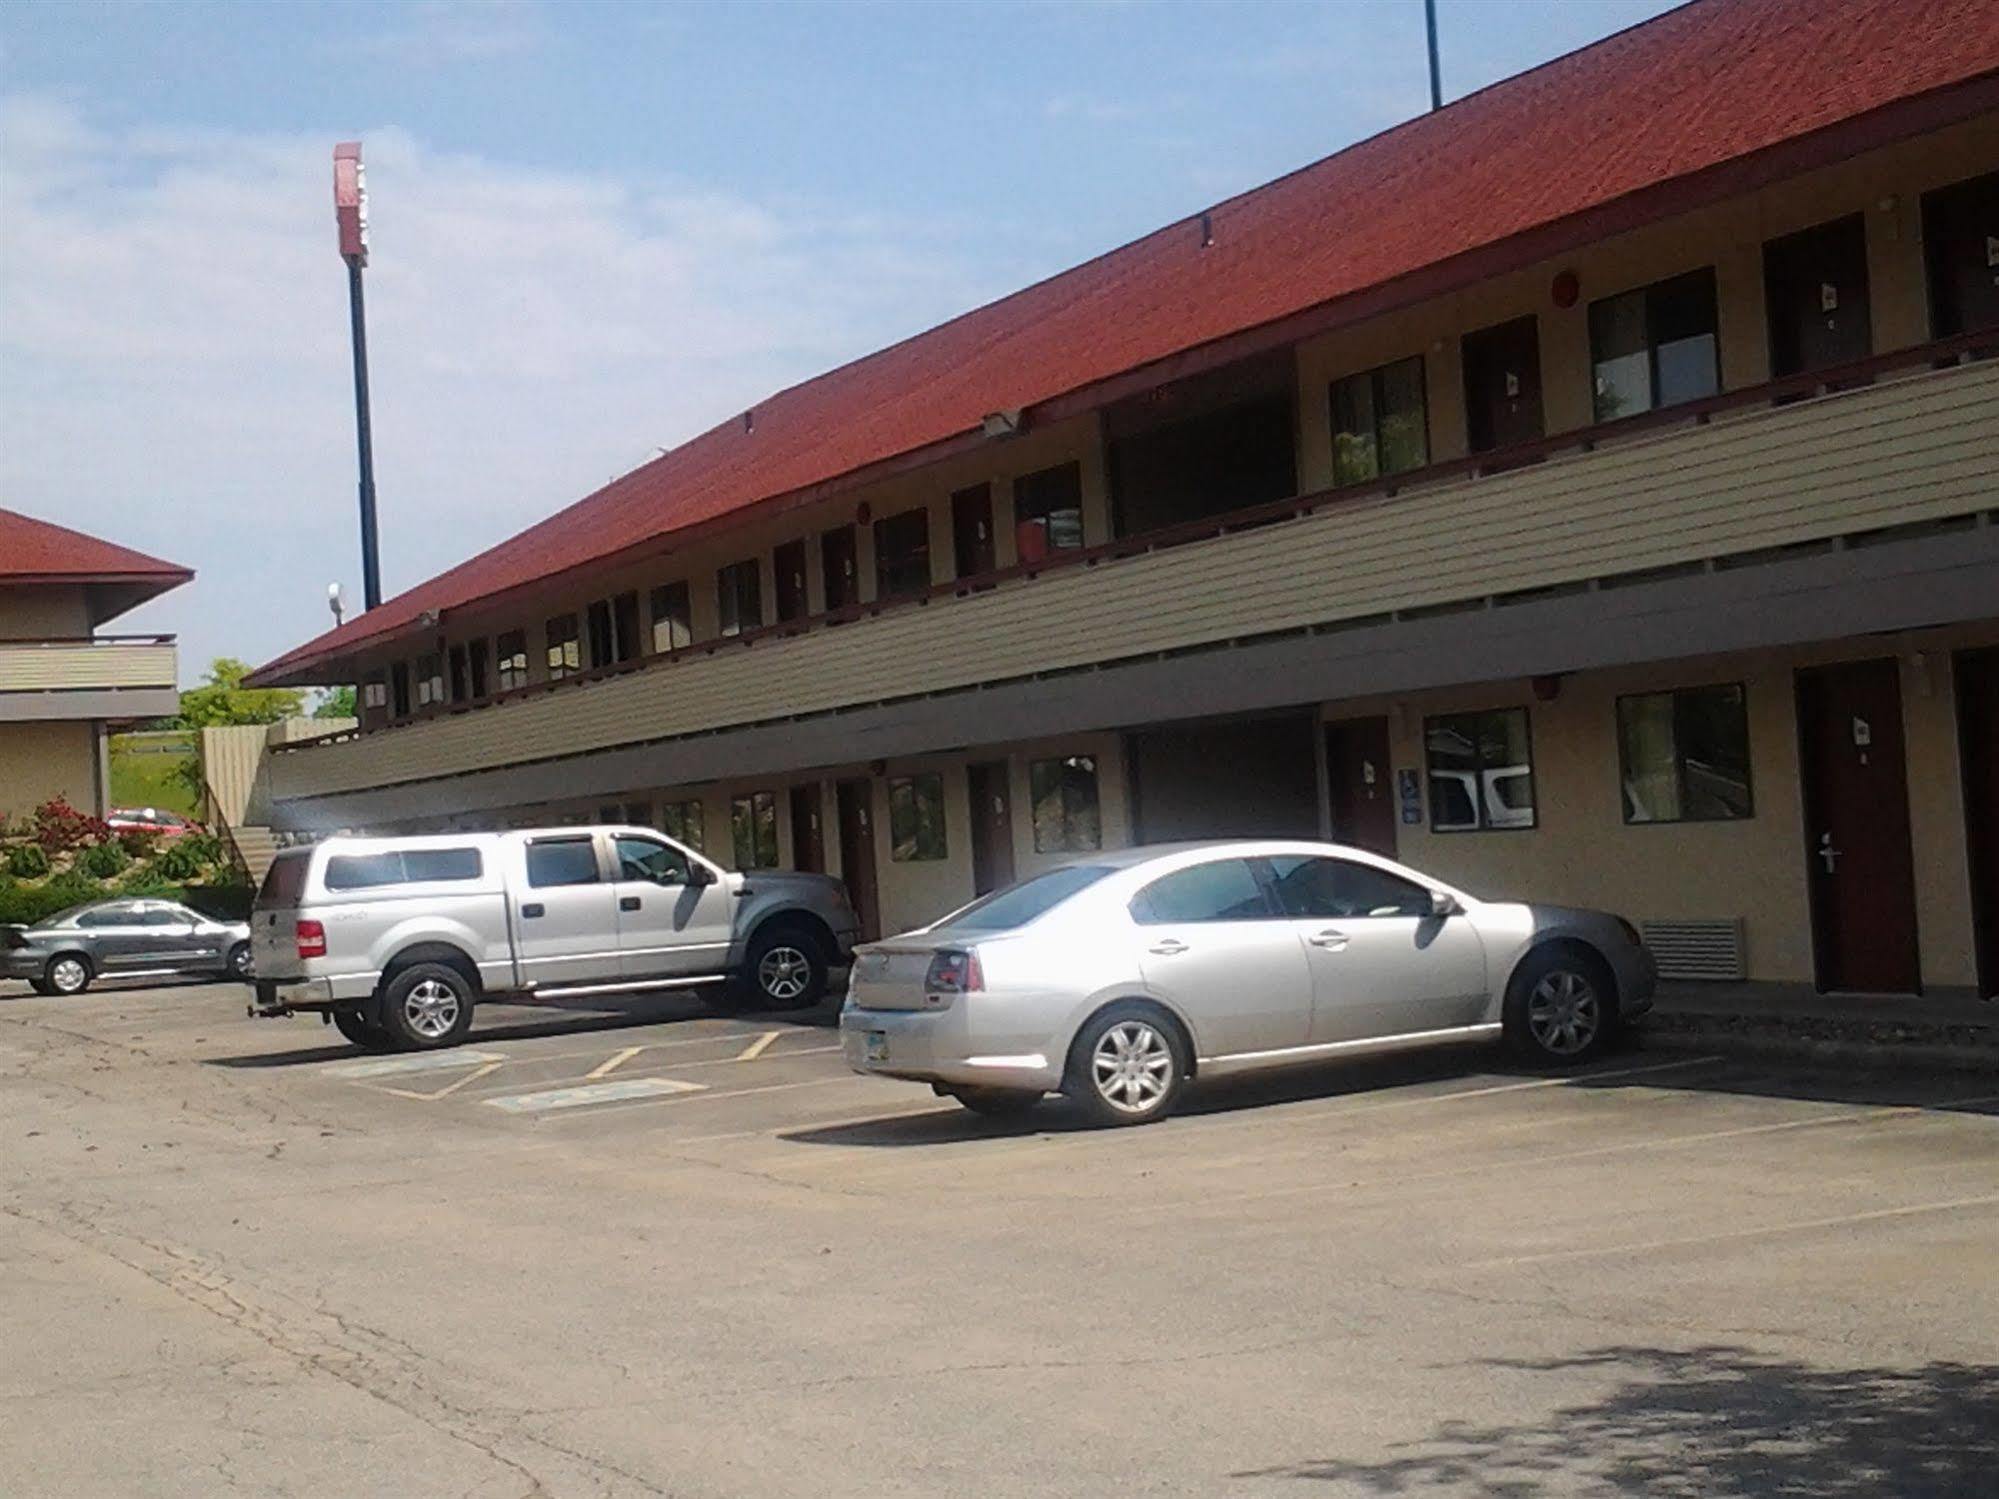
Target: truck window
x: 408, y: 866
x: 562, y: 861
x: 441, y: 864
x: 363, y: 871
x: 649, y: 859
x: 284, y: 882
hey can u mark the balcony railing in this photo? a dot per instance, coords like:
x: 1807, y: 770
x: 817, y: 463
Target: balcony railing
x: 1733, y: 474
x: 88, y: 664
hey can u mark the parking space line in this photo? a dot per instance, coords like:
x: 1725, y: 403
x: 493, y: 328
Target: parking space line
x: 623, y: 1090
x: 1740, y: 1233
x: 448, y: 1089
x: 614, y: 1063
x: 423, y: 1061
x: 757, y: 1047
x: 709, y: 1095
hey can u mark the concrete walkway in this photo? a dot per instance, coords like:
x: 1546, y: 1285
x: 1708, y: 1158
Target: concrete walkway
x: 1955, y: 1031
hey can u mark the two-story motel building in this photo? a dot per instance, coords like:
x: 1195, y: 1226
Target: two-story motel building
x: 1586, y: 492
x: 63, y: 684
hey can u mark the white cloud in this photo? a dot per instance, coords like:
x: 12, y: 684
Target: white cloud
x: 174, y: 369
x: 439, y: 32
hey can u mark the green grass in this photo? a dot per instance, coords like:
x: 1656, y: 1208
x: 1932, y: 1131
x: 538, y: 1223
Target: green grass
x: 142, y: 772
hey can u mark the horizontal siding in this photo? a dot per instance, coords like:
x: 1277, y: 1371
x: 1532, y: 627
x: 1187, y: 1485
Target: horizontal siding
x: 76, y: 665
x: 1918, y: 449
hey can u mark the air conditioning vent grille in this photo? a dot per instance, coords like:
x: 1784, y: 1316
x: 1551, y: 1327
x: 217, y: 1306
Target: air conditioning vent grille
x: 1697, y: 948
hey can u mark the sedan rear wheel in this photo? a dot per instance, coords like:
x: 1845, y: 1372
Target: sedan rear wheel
x: 1128, y: 1066
x: 68, y: 973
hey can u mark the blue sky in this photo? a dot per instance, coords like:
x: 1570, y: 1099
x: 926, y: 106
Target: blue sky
x: 597, y: 229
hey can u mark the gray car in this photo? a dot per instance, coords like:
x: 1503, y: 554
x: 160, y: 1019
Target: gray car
x: 67, y: 952
x: 1119, y: 977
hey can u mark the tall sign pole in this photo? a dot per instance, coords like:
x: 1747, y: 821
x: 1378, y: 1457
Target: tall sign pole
x: 1436, y: 72
x: 350, y: 212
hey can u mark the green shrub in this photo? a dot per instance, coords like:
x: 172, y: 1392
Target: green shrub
x: 103, y: 860
x: 224, y: 902
x: 180, y: 860
x: 144, y: 880
x: 140, y: 843
x: 27, y: 904
x: 26, y: 861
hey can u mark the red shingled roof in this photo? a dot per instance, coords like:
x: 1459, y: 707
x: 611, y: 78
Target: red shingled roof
x: 39, y: 551
x: 1586, y: 145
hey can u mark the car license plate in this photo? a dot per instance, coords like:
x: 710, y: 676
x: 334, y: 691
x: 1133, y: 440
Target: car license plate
x: 877, y: 1047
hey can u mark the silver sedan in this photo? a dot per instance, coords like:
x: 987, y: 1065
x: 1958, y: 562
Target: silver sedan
x: 1117, y: 978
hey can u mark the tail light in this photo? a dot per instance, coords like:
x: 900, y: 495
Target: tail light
x: 954, y: 971
x: 311, y: 939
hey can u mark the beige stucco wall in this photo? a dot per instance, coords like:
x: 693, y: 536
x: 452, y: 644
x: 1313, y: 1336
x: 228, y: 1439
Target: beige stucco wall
x: 43, y: 613
x: 1583, y: 853
x: 1886, y: 185
x: 43, y: 760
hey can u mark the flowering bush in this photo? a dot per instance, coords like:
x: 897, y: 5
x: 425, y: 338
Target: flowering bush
x: 59, y: 827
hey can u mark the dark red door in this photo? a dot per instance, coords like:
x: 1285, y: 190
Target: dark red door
x: 1961, y: 246
x: 1815, y: 287
x: 1978, y: 746
x: 788, y: 565
x: 992, y: 827
x: 1362, y: 786
x: 1503, y: 385
x: 857, y: 853
x: 972, y: 531
x: 1858, y: 854
x: 836, y: 557
x: 808, y: 835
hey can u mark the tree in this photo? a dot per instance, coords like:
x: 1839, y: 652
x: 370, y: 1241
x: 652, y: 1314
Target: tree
x: 335, y: 702
x: 223, y: 699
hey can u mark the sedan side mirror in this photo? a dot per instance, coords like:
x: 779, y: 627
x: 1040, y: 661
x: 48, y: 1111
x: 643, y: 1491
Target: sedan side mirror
x: 1443, y: 903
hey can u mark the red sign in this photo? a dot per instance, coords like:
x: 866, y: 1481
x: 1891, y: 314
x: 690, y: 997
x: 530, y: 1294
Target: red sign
x: 350, y: 200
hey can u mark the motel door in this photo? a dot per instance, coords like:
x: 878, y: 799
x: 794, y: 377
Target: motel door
x: 1858, y: 858
x: 1978, y: 742
x: 857, y: 853
x: 808, y: 837
x: 1503, y: 385
x: 1361, y: 785
x: 992, y: 827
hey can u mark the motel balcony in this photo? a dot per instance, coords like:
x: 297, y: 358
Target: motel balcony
x: 1856, y: 499
x: 119, y: 678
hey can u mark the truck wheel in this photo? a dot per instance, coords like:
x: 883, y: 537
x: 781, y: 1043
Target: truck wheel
x: 426, y: 1006
x: 785, y: 970
x: 362, y: 1031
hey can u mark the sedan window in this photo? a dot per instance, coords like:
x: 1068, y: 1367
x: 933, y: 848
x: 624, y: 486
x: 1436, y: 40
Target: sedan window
x: 1032, y: 898
x: 1224, y: 890
x: 1314, y: 887
x: 120, y: 913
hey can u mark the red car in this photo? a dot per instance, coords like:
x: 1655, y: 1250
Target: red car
x: 165, y: 825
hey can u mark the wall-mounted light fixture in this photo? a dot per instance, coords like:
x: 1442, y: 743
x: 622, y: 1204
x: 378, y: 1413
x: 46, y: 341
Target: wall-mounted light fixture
x: 1002, y: 423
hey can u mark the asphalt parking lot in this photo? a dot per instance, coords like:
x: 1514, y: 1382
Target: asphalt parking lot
x: 656, y: 1249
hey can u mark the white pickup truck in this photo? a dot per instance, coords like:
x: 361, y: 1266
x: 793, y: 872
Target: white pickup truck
x: 396, y: 939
